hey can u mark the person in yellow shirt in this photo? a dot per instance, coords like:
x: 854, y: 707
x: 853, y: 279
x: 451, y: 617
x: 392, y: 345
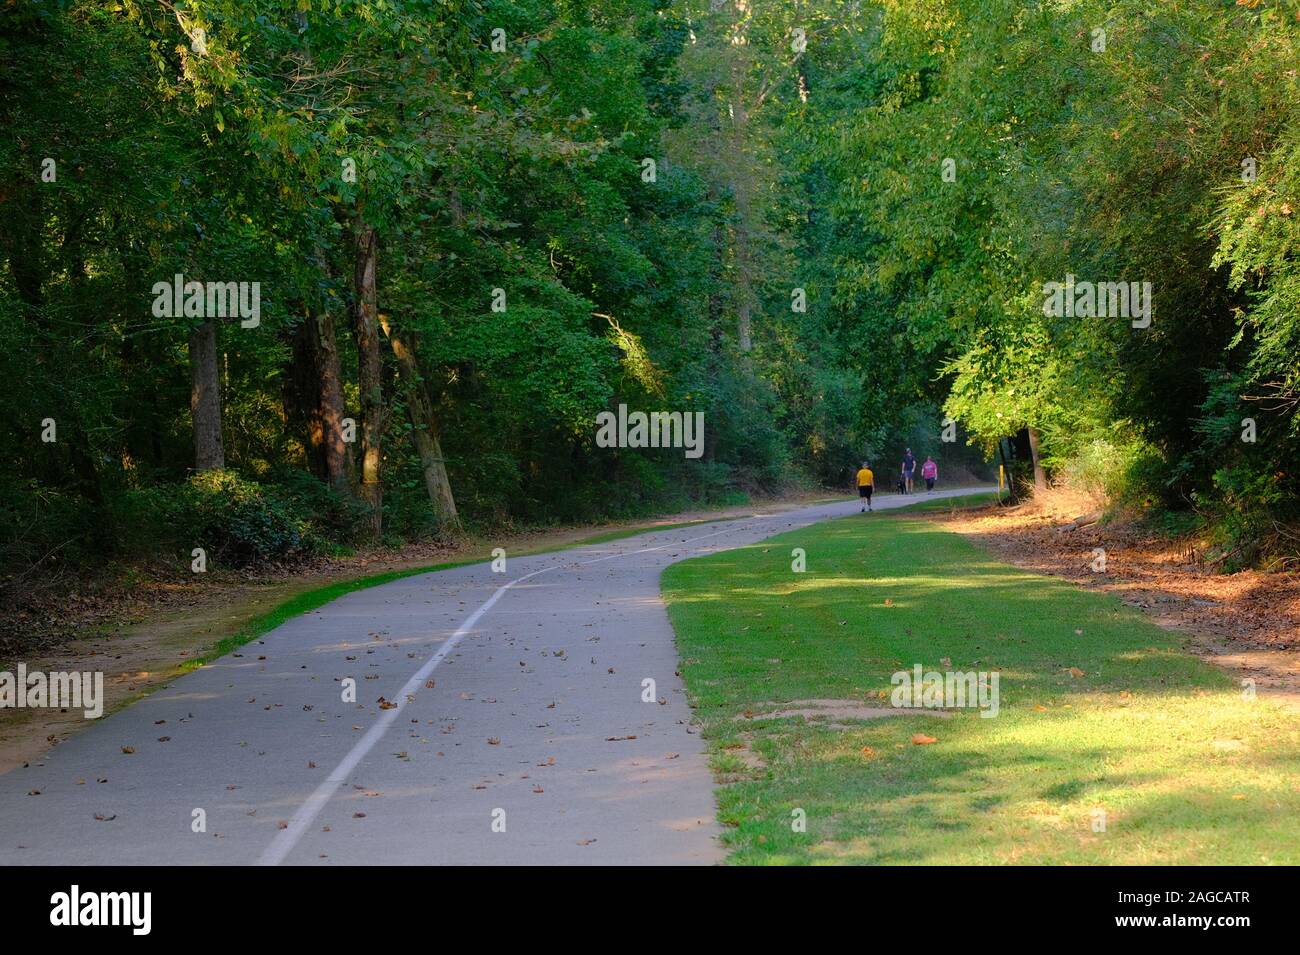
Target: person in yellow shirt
x: 866, y: 484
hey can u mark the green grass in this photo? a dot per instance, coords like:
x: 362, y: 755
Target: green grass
x: 1186, y: 769
x: 979, y: 499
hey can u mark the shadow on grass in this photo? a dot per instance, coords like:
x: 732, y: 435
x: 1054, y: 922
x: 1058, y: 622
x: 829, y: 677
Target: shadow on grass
x: 1100, y: 711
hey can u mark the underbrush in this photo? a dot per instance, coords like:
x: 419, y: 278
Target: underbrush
x: 1243, y: 517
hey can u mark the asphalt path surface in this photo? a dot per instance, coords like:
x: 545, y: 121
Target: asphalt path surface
x: 498, y: 718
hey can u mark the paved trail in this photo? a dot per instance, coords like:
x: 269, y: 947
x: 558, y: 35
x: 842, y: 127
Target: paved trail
x: 518, y: 698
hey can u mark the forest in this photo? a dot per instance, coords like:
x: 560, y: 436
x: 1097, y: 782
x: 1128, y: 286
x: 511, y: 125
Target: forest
x: 285, y: 277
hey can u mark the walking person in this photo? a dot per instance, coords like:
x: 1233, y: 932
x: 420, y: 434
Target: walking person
x: 909, y: 468
x: 929, y: 471
x: 866, y: 484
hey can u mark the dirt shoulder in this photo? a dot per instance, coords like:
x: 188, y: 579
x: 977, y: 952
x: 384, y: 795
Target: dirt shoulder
x: 1246, y: 622
x: 145, y: 636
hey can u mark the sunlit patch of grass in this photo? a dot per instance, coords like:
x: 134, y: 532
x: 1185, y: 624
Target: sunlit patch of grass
x: 1100, y: 712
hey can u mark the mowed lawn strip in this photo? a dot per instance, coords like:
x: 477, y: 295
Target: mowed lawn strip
x: 1185, y: 768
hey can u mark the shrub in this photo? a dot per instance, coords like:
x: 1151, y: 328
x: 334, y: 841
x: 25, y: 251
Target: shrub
x: 1119, y: 470
x: 236, y: 521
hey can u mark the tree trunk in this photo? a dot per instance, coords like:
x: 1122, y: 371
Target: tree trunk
x: 331, y: 400
x: 742, y: 181
x: 301, y: 404
x: 1006, y: 469
x: 369, y: 370
x: 715, y: 331
x: 1040, y: 476
x: 205, y: 398
x: 424, y: 428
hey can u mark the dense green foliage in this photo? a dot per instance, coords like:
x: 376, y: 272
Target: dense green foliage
x: 225, y: 155
x: 800, y: 264
x: 979, y: 149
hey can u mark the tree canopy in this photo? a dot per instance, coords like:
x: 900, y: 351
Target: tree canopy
x: 475, y: 225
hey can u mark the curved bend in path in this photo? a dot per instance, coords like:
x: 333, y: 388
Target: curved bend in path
x: 518, y: 702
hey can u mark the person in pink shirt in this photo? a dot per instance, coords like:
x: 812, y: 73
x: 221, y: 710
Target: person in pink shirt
x: 930, y: 471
